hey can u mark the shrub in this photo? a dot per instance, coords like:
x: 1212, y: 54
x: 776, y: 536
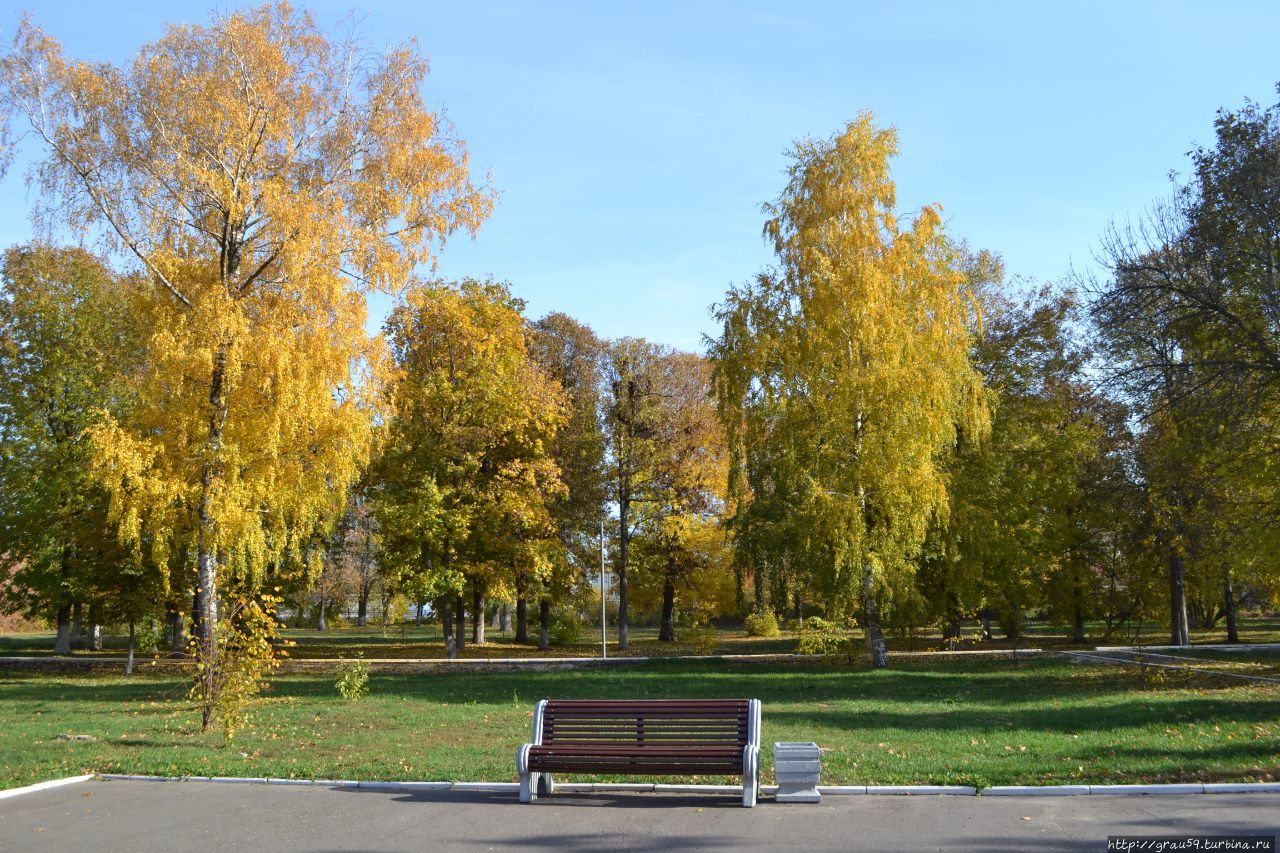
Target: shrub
x: 820, y: 637
x: 565, y: 630
x: 761, y: 624
x: 700, y: 636
x: 353, y: 679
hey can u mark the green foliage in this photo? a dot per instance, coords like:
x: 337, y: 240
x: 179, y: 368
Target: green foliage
x: 843, y: 377
x: 64, y: 347
x: 147, y: 636
x: 819, y: 636
x: 353, y: 679
x: 465, y: 481
x: 246, y: 656
x: 698, y: 635
x: 761, y: 624
x: 397, y: 610
x: 565, y: 630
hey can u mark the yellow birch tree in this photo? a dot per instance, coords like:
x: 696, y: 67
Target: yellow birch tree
x: 850, y: 361
x: 263, y: 176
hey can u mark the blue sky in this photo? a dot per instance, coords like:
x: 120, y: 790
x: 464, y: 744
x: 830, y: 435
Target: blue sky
x: 634, y: 143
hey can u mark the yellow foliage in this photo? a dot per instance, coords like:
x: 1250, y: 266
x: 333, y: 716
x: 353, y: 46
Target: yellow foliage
x: 844, y: 375
x: 263, y: 177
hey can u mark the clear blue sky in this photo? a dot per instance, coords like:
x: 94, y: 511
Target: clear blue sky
x: 633, y: 143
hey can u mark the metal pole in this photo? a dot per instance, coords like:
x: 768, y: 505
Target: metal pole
x: 604, y: 642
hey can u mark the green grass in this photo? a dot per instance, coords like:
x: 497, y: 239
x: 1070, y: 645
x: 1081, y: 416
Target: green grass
x: 982, y: 722
x: 410, y: 641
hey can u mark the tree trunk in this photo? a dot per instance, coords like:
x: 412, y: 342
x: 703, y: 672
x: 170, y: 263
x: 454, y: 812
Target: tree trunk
x: 206, y: 558
x: 522, y: 619
x: 757, y: 584
x: 95, y: 638
x: 1179, y: 634
x: 362, y: 608
x: 986, y: 624
x: 875, y: 637
x: 624, y: 540
x: 504, y: 620
x: 477, y: 614
x: 544, y: 625
x: 173, y: 616
x: 321, y: 625
x: 62, y: 645
x: 1229, y: 604
x: 77, y: 626
x: 460, y: 622
x: 417, y: 619
x: 1077, y: 628
x: 445, y: 609
x: 386, y: 608
x: 128, y: 663
x: 667, y: 630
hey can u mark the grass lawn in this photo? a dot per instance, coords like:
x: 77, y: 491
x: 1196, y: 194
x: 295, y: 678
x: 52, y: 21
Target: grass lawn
x: 971, y: 721
x: 411, y: 641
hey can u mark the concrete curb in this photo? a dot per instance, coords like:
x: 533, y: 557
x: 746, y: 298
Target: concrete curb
x: 917, y: 790
x: 44, y: 786
x: 660, y: 788
x: 1035, y: 791
x: 1146, y: 789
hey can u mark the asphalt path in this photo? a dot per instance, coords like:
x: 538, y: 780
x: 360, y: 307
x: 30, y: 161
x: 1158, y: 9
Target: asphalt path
x: 103, y: 816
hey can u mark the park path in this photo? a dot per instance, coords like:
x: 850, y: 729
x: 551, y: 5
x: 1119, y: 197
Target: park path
x: 165, y: 816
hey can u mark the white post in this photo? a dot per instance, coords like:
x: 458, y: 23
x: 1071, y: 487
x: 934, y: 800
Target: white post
x: 604, y: 639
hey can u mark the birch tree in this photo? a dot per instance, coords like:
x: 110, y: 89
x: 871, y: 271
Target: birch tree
x: 850, y: 360
x: 262, y: 176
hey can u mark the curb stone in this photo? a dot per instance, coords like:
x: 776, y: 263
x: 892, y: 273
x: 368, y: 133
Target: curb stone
x: 1035, y: 791
x: 1146, y: 789
x: 44, y: 786
x: 583, y: 787
x: 910, y: 790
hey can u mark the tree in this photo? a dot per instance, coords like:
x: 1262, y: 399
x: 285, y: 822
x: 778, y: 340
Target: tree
x: 64, y: 345
x: 465, y: 481
x: 633, y: 412
x: 569, y: 353
x: 849, y: 362
x: 261, y: 176
x: 684, y: 503
x: 1189, y: 317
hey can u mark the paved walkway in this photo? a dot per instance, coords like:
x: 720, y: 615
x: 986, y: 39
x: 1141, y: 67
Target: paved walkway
x: 131, y: 816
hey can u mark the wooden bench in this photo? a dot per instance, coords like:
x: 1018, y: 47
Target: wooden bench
x: 642, y: 737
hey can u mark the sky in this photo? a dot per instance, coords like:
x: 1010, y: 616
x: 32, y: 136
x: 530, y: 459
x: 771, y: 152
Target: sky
x: 632, y: 144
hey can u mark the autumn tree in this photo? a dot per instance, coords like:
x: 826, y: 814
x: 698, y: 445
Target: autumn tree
x: 1188, y: 318
x: 633, y: 411
x: 65, y: 346
x: 850, y: 361
x: 569, y: 352
x: 677, y: 522
x: 261, y: 176
x: 466, y: 479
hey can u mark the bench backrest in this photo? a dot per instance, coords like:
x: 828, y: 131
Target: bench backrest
x: 655, y: 722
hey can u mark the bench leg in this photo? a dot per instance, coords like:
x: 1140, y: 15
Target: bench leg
x: 750, y: 776
x: 547, y: 784
x: 528, y: 780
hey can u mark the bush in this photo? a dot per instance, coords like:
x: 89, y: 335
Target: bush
x: 762, y: 624
x: 353, y: 679
x: 565, y: 630
x: 146, y: 638
x: 700, y: 636
x: 820, y: 637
